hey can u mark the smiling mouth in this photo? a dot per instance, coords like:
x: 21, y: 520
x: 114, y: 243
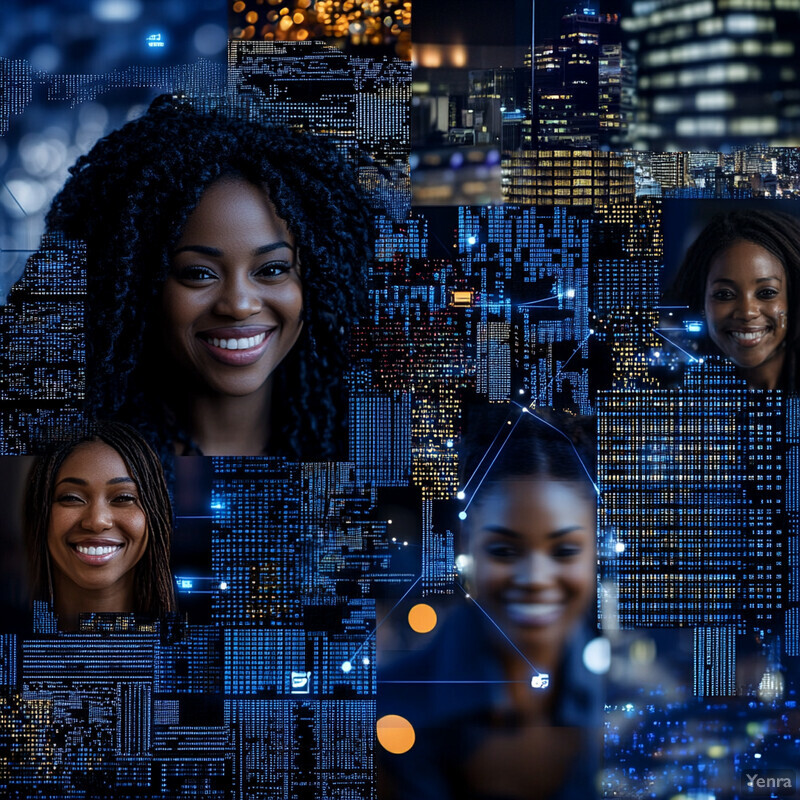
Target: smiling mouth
x: 244, y: 343
x: 236, y: 349
x: 534, y: 615
x: 97, y: 554
x: 748, y: 338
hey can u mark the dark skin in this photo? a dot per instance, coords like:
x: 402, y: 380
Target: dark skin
x: 532, y: 543
x: 232, y: 309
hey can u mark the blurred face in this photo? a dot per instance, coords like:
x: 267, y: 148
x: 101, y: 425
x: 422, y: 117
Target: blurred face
x: 746, y: 307
x: 98, y: 530
x: 233, y: 300
x: 532, y: 543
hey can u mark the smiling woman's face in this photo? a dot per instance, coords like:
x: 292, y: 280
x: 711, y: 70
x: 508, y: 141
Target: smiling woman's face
x: 97, y: 532
x: 746, y: 307
x: 532, y: 543
x: 233, y: 300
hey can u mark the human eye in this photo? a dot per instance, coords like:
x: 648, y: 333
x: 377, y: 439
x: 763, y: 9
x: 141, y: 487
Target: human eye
x: 68, y: 498
x: 274, y: 269
x: 125, y: 498
x: 722, y: 294
x: 501, y: 550
x: 194, y: 274
x: 566, y: 551
x: 768, y: 293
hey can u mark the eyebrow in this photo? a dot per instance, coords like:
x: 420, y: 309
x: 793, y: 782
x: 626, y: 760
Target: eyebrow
x: 214, y: 251
x: 503, y: 531
x: 758, y: 280
x: 82, y: 482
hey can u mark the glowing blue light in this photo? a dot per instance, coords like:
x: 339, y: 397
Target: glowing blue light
x: 346, y: 667
x: 365, y: 661
x: 462, y: 515
x: 449, y: 443
x: 461, y: 495
x: 471, y: 240
x: 694, y: 327
x: 184, y: 583
x: 155, y: 40
x: 217, y: 506
x: 223, y: 585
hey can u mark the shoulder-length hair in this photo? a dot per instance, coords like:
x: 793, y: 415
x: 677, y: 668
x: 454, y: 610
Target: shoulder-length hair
x: 129, y: 199
x: 153, y: 586
x: 779, y: 234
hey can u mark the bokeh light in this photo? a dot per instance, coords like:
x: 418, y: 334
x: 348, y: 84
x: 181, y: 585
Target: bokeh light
x: 395, y: 734
x: 422, y: 618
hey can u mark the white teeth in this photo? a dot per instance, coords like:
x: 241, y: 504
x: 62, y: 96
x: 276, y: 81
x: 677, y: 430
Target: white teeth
x: 533, y: 610
x: 747, y: 336
x: 104, y: 550
x: 244, y: 343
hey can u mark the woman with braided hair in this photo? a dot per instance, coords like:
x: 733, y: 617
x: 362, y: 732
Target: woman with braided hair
x: 226, y: 265
x: 97, y: 521
x: 742, y: 273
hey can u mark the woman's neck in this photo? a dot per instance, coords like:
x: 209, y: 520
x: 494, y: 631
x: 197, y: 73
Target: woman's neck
x: 231, y: 426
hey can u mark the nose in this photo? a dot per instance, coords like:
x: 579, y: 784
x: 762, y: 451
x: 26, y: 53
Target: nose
x: 748, y: 307
x: 97, y: 517
x: 535, y: 571
x: 237, y: 298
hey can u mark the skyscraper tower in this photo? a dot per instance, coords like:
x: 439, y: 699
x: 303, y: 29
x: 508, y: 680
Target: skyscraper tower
x: 715, y: 74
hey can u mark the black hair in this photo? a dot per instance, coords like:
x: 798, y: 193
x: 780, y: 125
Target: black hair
x: 153, y: 586
x: 129, y: 199
x: 502, y: 442
x: 779, y: 234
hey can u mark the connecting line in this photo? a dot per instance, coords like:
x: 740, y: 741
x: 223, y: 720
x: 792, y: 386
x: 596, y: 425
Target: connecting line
x: 388, y: 614
x: 15, y: 199
x: 536, y: 302
x: 448, y: 683
x: 505, y: 636
x: 669, y: 341
x: 496, y: 456
x: 574, y: 352
x: 571, y: 444
x: 483, y: 458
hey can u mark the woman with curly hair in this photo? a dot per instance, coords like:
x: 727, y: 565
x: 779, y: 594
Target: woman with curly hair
x: 97, y: 521
x: 742, y: 273
x: 226, y: 265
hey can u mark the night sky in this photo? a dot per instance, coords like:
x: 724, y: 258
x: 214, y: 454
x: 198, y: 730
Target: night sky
x: 478, y: 22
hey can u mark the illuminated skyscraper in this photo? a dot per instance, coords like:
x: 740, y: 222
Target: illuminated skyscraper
x: 566, y: 177
x: 715, y: 73
x: 41, y: 333
x: 692, y: 483
x: 360, y: 103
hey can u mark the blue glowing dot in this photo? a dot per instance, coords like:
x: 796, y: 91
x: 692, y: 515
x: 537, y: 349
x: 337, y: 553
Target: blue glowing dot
x: 461, y: 495
x: 346, y: 667
x: 471, y: 240
x: 365, y: 661
x: 462, y: 515
x: 223, y: 585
